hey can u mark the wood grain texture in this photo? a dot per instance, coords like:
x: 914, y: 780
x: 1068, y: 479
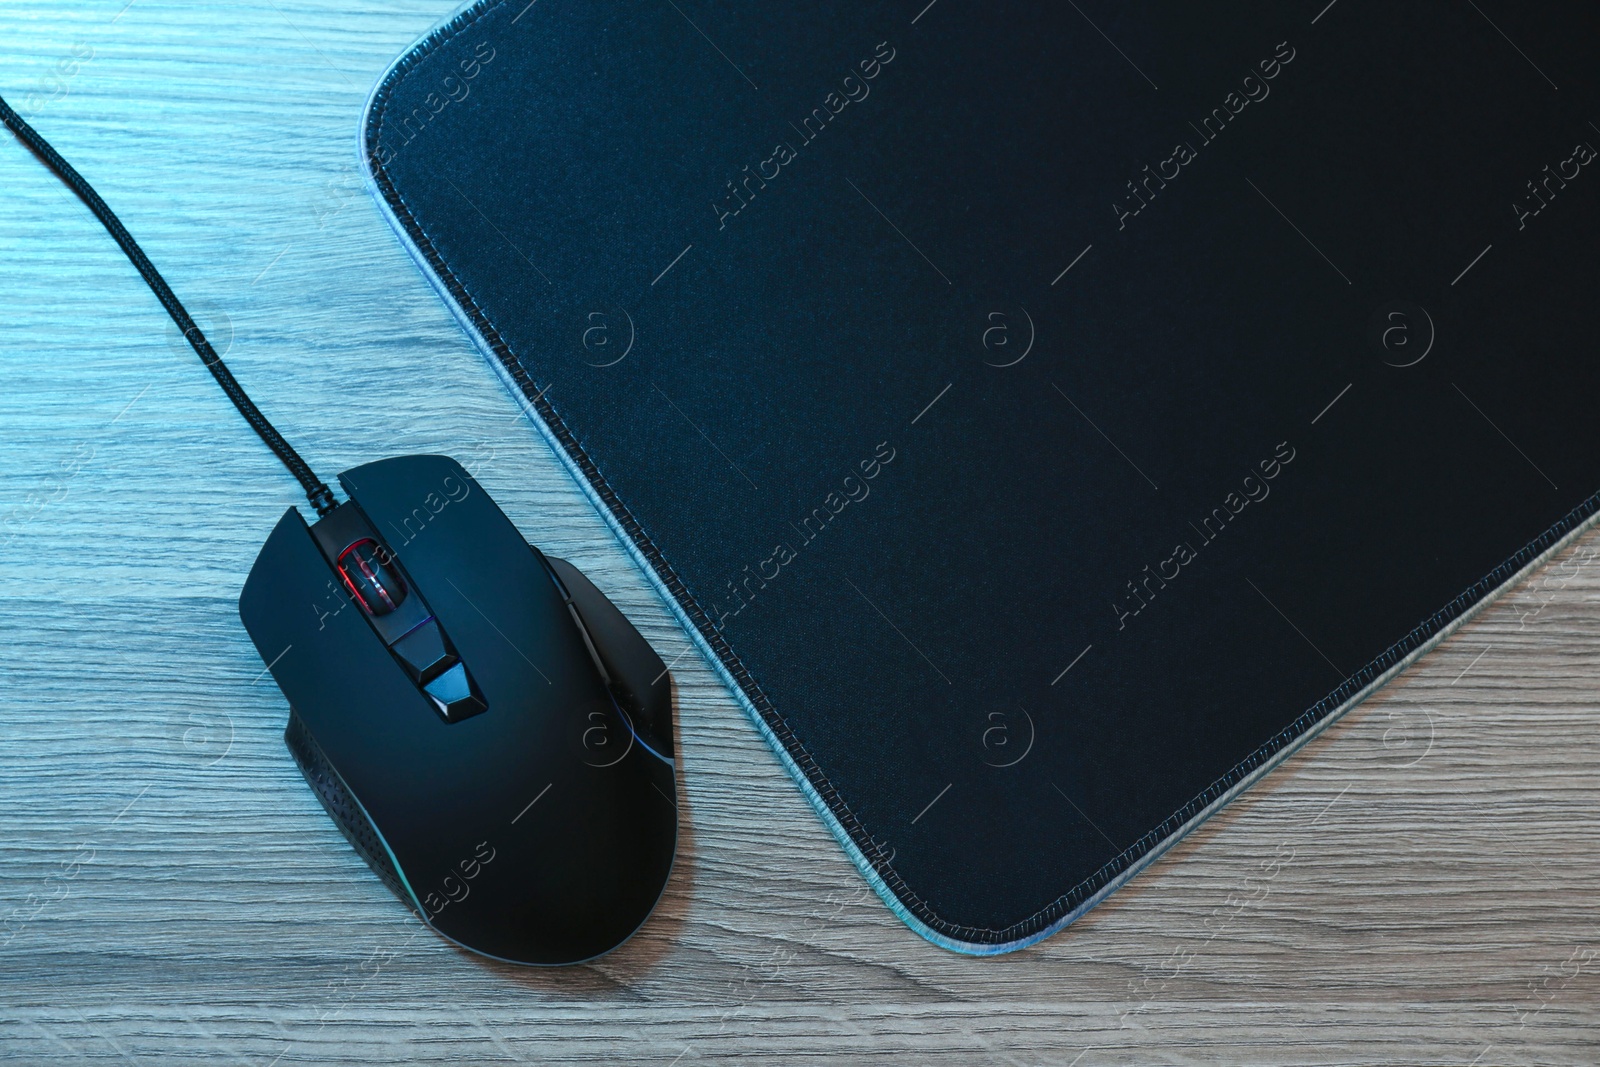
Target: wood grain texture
x: 1417, y: 885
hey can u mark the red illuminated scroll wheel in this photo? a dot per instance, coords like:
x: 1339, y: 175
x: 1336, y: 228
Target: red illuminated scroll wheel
x: 366, y: 573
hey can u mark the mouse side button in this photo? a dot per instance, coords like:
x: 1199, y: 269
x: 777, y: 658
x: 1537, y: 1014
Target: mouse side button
x: 633, y: 665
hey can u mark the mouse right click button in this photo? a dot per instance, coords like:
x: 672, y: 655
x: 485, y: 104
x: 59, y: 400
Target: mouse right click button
x: 424, y: 652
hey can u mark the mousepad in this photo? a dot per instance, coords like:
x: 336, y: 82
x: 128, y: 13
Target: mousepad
x: 1045, y: 416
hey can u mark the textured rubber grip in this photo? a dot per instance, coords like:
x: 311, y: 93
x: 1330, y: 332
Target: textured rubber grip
x: 339, y: 803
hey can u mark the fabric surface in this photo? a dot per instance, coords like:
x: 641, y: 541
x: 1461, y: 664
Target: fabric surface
x: 1045, y: 415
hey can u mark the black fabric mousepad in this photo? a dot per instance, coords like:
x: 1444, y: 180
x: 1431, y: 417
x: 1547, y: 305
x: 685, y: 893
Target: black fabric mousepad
x: 1046, y: 415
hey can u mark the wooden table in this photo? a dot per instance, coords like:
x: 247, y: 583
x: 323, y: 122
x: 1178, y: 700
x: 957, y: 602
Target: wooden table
x: 1418, y: 885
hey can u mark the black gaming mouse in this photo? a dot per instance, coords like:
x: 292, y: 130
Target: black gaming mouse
x: 489, y: 731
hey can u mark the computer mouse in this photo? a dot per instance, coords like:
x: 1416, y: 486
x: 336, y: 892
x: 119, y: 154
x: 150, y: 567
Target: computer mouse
x: 488, y: 730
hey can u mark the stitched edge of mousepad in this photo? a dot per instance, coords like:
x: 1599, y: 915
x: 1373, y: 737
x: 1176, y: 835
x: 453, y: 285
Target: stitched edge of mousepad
x: 864, y: 851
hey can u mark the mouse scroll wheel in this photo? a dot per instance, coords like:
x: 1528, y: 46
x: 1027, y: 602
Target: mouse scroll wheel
x: 375, y: 585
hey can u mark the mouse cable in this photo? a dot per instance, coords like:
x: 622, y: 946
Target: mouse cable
x: 316, y: 491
